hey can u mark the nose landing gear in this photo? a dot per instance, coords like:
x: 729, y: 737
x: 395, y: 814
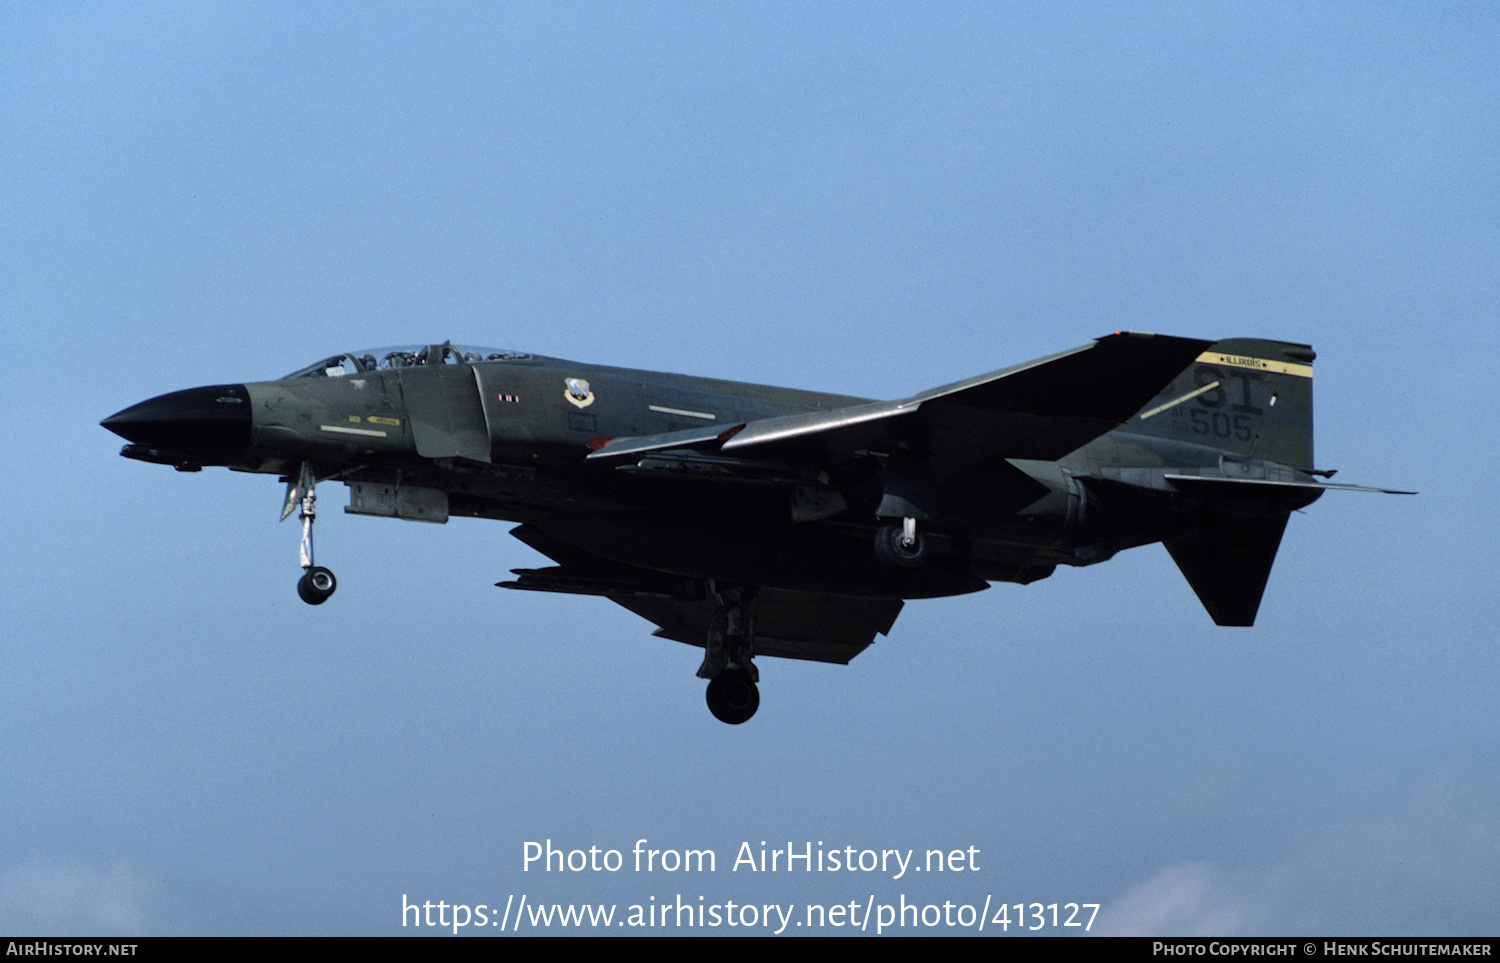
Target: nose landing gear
x: 317, y: 583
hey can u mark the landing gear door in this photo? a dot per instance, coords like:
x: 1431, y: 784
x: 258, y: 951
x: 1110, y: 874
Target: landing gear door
x: 446, y: 412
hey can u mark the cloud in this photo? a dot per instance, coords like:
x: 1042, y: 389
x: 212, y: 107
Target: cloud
x: 1423, y: 862
x: 47, y: 897
x: 1186, y: 899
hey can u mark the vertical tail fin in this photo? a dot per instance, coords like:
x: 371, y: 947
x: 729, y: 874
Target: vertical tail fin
x: 1248, y: 400
x: 1250, y: 397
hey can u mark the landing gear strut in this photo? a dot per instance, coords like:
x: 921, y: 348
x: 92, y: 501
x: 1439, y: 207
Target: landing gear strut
x: 732, y: 693
x: 317, y: 583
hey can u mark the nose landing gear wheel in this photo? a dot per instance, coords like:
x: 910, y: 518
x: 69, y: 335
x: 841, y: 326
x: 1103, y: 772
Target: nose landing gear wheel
x: 732, y: 697
x: 316, y: 584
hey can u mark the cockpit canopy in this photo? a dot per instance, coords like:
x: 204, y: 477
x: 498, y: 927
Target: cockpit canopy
x: 384, y: 359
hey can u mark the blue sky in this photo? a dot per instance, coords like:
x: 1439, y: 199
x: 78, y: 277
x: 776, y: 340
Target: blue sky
x: 870, y: 199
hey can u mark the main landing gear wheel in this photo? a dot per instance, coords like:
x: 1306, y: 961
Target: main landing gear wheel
x: 316, y: 585
x: 901, y: 546
x: 733, y: 697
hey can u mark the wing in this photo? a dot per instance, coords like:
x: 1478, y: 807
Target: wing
x: 820, y: 627
x: 1038, y: 410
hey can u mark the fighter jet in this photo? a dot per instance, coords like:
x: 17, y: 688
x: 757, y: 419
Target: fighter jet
x: 759, y: 521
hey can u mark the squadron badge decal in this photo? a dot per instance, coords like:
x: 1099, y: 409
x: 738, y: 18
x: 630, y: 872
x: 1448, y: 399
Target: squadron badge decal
x: 578, y: 393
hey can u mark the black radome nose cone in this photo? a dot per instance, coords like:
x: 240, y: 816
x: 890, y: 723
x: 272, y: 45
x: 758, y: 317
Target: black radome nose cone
x: 208, y: 425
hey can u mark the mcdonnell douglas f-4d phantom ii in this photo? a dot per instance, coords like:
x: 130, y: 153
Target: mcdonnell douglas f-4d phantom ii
x: 752, y: 520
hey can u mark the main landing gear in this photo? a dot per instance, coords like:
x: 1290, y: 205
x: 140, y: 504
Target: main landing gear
x: 732, y: 693
x: 901, y: 546
x: 317, y: 583
x: 908, y: 498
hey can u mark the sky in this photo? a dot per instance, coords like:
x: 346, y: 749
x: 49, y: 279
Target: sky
x: 861, y: 198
